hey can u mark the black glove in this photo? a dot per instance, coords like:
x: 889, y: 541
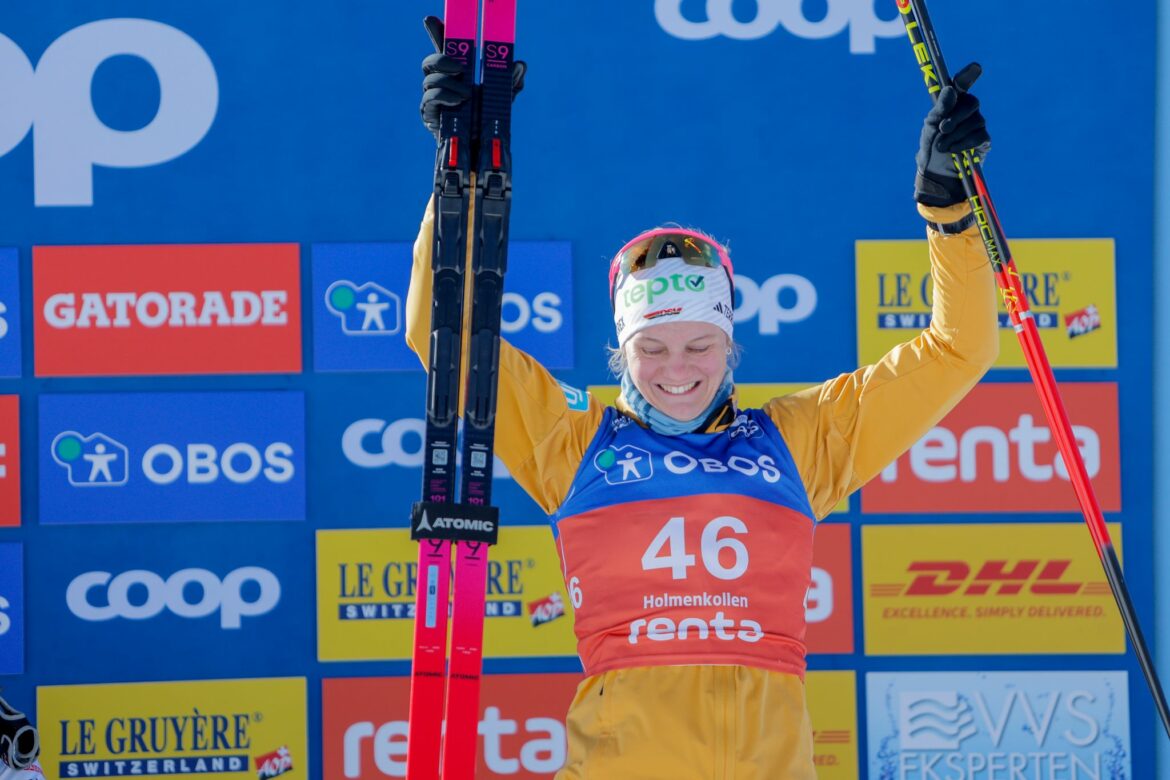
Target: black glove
x: 954, y: 125
x: 443, y: 87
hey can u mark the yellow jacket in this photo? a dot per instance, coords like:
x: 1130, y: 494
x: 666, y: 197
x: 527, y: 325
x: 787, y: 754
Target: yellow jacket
x: 737, y: 721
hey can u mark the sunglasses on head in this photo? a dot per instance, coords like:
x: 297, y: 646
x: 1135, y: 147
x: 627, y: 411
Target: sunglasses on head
x: 666, y: 244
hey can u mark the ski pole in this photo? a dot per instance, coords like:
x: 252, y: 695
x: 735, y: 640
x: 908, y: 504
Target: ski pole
x: 969, y: 166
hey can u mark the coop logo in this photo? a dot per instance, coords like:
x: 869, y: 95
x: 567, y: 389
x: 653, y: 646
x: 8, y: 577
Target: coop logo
x: 11, y: 608
x: 975, y: 725
x: 242, y: 451
x: 858, y: 16
x: 624, y: 465
x: 374, y: 443
x: 365, y: 310
x: 97, y: 596
x: 216, y: 729
x: 182, y: 309
x: 94, y: 460
x: 69, y: 138
x: 784, y: 299
x: 521, y: 728
x: 995, y: 453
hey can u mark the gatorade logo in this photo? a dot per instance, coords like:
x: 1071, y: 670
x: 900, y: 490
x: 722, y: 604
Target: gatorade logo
x: 167, y: 309
x: 636, y: 292
x: 858, y: 16
x: 69, y: 138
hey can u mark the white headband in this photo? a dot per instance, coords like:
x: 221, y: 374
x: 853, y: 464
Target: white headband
x: 672, y: 291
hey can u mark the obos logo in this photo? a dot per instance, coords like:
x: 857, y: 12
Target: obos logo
x: 967, y: 589
x: 69, y: 136
x: 995, y: 453
x: 149, y: 458
x: 366, y: 600
x: 974, y: 725
x: 374, y: 443
x: 360, y: 290
x: 133, y: 310
x: 856, y: 15
x: 10, y: 327
x: 98, y: 596
x: 11, y: 609
x: 365, y: 310
x: 521, y: 727
x: 1069, y: 285
x: 624, y: 464
x: 217, y: 729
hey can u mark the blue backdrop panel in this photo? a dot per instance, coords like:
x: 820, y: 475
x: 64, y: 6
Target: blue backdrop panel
x: 786, y: 128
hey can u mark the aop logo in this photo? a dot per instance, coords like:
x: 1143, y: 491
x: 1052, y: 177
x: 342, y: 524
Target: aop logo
x: 625, y: 464
x: 744, y: 426
x: 857, y: 15
x: 55, y: 102
x: 365, y: 310
x: 123, y: 595
x: 94, y: 460
x: 783, y: 299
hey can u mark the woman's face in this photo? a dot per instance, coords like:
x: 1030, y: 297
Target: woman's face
x: 678, y: 366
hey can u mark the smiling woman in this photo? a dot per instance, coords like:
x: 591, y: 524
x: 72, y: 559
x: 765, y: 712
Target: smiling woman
x: 685, y: 522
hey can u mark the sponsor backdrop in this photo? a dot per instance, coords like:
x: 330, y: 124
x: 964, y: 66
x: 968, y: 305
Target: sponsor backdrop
x: 210, y: 210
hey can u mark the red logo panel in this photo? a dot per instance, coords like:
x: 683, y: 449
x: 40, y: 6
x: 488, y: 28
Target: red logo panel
x: 829, y: 605
x: 521, y: 728
x: 995, y: 453
x: 9, y: 460
x: 167, y: 309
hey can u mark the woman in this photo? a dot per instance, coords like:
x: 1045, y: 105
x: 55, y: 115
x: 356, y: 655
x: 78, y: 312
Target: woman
x: 684, y: 523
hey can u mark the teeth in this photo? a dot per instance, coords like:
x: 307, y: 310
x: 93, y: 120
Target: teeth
x: 678, y: 389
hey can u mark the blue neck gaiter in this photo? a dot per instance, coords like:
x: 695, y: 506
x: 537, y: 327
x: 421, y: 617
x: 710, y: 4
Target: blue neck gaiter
x: 664, y: 423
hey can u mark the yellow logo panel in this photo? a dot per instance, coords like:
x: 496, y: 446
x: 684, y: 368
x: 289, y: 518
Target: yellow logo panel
x: 748, y: 396
x: 999, y: 589
x: 832, y: 706
x: 206, y: 729
x: 1070, y: 286
x: 366, y: 593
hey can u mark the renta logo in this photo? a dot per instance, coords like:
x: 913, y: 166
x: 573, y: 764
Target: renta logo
x: 56, y: 103
x: 995, y: 453
x: 857, y: 16
x: 180, y: 309
x: 521, y: 726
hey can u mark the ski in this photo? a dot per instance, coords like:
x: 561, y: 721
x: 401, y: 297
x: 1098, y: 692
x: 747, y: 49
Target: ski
x: 968, y: 165
x: 442, y: 692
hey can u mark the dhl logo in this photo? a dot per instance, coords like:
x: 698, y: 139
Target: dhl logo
x: 998, y: 577
x: 843, y: 737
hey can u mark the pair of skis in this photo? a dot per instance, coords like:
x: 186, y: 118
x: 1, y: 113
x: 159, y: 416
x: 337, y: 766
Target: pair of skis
x: 475, y: 138
x: 970, y: 170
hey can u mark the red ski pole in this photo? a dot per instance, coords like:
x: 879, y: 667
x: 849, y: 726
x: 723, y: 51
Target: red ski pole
x: 970, y: 169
